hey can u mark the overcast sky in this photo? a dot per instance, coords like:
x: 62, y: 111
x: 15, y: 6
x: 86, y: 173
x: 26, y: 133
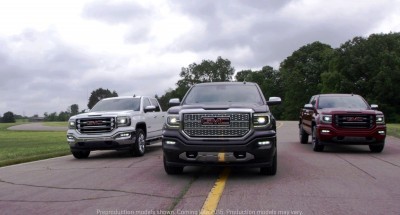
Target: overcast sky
x: 55, y: 53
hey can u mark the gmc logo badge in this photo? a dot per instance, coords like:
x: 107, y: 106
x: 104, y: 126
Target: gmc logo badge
x: 94, y: 122
x: 354, y: 119
x: 215, y: 120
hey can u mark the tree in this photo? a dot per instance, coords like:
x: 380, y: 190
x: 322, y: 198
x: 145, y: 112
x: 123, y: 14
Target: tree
x: 206, y: 71
x: 369, y: 67
x: 269, y: 81
x: 63, y: 116
x: 98, y: 95
x: 301, y: 76
x: 8, y: 117
x: 73, y: 109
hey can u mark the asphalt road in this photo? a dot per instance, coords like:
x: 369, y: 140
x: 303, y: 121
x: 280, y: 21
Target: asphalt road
x: 340, y: 180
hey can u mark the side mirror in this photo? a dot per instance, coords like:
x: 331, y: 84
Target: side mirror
x: 274, y: 101
x: 174, y: 102
x: 149, y: 108
x: 308, y: 107
x: 374, y: 107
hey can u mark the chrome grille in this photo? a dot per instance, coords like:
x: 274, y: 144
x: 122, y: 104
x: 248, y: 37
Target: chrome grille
x: 354, y: 121
x: 239, y: 125
x: 95, y: 125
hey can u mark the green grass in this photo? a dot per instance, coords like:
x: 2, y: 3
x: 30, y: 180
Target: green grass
x: 393, y: 130
x: 24, y: 146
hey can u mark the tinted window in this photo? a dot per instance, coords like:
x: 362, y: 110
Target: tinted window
x: 224, y: 94
x: 352, y: 102
x: 117, y: 104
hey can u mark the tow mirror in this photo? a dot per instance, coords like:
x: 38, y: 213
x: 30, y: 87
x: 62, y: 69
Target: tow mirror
x: 374, y: 107
x: 149, y: 108
x: 174, y: 102
x: 274, y: 101
x: 308, y: 107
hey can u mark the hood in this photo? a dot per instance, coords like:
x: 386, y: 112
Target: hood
x: 348, y: 111
x: 255, y: 107
x: 104, y: 114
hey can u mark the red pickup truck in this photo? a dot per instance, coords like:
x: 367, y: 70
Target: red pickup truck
x: 342, y: 119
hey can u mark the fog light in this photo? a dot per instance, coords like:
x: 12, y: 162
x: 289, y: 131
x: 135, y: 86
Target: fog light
x: 125, y: 135
x: 70, y: 137
x: 325, y: 131
x: 263, y: 143
x: 169, y: 142
x: 381, y: 132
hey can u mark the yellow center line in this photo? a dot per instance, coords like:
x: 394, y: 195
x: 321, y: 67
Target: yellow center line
x: 211, y: 203
x: 221, y: 157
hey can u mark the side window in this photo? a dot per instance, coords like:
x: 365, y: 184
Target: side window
x: 146, y: 102
x: 155, y: 103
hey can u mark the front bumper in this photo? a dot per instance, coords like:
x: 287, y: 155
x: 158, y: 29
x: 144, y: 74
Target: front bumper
x: 329, y: 134
x: 181, y: 151
x: 121, y: 139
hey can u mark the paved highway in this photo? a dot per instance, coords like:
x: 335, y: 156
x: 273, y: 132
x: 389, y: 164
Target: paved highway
x: 340, y: 180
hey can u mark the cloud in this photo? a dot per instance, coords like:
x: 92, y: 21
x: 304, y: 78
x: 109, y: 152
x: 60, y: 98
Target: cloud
x: 53, y: 56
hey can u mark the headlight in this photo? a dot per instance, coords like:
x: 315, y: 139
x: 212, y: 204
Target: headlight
x: 173, y: 121
x: 326, y: 118
x: 261, y: 119
x: 123, y: 121
x: 380, y: 119
x: 71, y: 124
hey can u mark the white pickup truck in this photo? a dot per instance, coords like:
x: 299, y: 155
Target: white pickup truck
x: 117, y: 123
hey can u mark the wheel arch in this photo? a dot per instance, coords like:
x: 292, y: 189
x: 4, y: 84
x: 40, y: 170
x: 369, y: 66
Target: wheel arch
x: 142, y: 125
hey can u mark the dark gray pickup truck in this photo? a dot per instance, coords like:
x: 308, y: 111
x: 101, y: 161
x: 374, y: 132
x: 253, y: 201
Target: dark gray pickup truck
x: 221, y: 124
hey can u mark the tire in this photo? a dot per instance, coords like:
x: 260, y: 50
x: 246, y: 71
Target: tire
x: 303, y: 135
x: 272, y: 169
x: 377, y: 148
x: 139, y: 146
x: 315, y: 141
x: 172, y: 170
x: 80, y: 154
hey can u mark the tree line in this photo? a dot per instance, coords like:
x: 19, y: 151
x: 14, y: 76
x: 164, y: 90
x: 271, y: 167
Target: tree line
x: 367, y: 66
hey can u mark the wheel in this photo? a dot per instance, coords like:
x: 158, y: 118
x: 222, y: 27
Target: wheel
x: 172, y: 170
x: 272, y: 169
x: 315, y: 141
x: 377, y: 148
x: 139, y: 147
x: 80, y: 154
x: 303, y: 135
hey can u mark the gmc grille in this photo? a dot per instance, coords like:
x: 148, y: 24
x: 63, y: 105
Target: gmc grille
x: 95, y: 125
x: 354, y: 121
x: 216, y: 124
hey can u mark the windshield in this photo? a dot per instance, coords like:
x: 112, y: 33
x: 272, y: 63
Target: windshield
x: 352, y: 102
x: 224, y: 94
x: 117, y: 104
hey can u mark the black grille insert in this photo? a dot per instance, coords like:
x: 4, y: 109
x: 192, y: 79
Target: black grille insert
x: 354, y: 121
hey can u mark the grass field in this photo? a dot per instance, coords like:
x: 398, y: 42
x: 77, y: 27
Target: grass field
x: 393, y: 130
x: 24, y: 146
